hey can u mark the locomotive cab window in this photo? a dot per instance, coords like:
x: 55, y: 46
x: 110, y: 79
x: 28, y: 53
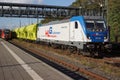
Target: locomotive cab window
x: 100, y: 25
x: 76, y: 25
x: 90, y: 25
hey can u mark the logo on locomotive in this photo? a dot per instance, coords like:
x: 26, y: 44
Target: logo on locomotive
x: 51, y: 33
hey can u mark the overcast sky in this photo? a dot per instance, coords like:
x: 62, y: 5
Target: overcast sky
x: 15, y: 22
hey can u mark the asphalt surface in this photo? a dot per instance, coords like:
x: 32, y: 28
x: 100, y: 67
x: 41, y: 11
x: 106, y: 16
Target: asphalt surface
x: 16, y: 64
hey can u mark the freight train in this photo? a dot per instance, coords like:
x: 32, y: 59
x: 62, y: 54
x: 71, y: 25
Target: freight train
x: 86, y: 35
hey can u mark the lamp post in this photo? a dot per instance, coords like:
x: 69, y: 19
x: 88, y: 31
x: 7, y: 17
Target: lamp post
x: 101, y: 9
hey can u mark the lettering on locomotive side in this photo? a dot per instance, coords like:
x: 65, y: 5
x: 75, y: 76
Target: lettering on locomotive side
x: 51, y: 33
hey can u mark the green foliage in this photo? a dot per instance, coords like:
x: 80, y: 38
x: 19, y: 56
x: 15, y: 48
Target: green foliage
x: 114, y: 17
x: 88, y: 4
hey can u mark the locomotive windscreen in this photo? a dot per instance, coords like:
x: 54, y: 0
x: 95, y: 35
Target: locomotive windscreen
x: 95, y: 25
x: 90, y: 26
x: 100, y: 25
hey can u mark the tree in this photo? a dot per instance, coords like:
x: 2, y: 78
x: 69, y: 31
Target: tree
x: 88, y: 4
x: 114, y: 17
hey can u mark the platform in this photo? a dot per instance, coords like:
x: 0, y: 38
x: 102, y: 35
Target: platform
x: 16, y: 64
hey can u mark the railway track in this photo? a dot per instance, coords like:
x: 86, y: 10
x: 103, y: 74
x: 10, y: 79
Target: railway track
x: 113, y: 62
x: 111, y: 59
x: 63, y: 63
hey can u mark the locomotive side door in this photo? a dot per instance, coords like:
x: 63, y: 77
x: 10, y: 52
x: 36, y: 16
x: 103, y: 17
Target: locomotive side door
x: 72, y: 31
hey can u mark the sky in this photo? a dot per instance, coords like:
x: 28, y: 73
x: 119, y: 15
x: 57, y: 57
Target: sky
x: 12, y: 23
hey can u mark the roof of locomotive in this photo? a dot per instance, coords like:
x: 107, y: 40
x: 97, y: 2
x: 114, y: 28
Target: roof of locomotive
x: 67, y: 20
x: 56, y: 22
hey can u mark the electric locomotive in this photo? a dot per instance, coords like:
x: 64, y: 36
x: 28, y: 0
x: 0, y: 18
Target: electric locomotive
x: 85, y: 34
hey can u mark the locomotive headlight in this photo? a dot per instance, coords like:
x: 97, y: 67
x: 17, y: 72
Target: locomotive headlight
x: 105, y: 37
